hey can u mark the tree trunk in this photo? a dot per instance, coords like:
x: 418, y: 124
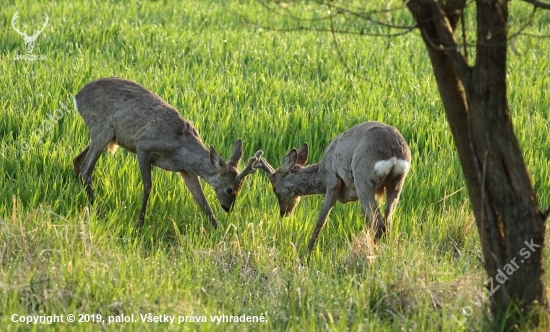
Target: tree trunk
x: 508, y: 217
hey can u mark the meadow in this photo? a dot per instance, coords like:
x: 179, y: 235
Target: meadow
x: 275, y: 90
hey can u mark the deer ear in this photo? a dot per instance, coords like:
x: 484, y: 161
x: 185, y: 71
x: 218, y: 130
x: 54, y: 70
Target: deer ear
x: 289, y: 161
x: 236, y: 154
x: 301, y: 159
x: 216, y: 160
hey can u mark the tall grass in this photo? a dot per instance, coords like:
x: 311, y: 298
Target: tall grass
x: 275, y: 90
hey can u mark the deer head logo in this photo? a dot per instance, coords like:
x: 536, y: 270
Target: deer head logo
x: 29, y: 40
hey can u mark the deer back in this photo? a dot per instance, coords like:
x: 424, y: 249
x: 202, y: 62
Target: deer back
x: 362, y: 150
x: 132, y: 112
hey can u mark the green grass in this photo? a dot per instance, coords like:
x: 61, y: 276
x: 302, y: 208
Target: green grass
x: 275, y: 90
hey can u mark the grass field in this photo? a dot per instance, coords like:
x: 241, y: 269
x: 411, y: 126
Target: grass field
x: 275, y: 91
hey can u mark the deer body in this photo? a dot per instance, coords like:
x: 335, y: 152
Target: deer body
x: 358, y: 164
x: 123, y: 113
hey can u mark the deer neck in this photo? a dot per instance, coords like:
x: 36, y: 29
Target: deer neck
x: 198, y: 162
x: 309, y: 181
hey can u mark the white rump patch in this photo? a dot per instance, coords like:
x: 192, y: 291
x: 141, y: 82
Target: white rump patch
x: 401, y: 166
x: 383, y: 168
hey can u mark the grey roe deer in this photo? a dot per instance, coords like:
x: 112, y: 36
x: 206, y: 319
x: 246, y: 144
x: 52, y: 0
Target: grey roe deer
x: 123, y: 113
x: 358, y: 164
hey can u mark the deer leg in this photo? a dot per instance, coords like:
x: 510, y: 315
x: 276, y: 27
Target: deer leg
x: 393, y: 189
x: 330, y: 199
x: 145, y: 169
x: 194, y: 185
x: 367, y: 196
x: 93, y: 152
x: 77, y: 162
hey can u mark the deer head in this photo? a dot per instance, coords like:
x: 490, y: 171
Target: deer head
x: 286, y: 180
x: 230, y: 179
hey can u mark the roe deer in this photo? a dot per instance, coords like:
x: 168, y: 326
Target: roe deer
x: 358, y: 164
x: 123, y: 113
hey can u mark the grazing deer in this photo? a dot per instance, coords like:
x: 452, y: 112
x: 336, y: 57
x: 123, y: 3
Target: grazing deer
x: 358, y: 164
x: 123, y: 113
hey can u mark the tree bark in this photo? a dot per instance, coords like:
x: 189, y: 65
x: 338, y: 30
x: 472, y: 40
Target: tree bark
x: 508, y: 216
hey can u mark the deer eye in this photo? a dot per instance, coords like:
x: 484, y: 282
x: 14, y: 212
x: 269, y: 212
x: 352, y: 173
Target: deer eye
x: 229, y: 190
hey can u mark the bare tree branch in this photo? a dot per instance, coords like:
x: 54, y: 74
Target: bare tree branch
x: 341, y: 55
x: 309, y: 28
x: 337, y: 10
x: 448, y: 41
x: 351, y: 8
x: 525, y: 26
x: 533, y: 35
x: 290, y: 14
x: 357, y: 10
x: 464, y: 36
x: 367, y: 15
x: 539, y: 4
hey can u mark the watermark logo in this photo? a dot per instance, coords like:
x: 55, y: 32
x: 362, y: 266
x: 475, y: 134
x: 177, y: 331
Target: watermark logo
x: 490, y: 287
x: 29, y: 40
x: 39, y: 133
